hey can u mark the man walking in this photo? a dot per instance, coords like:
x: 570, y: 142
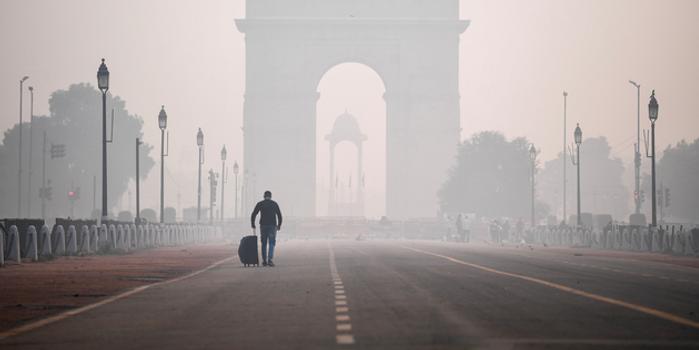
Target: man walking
x: 270, y: 223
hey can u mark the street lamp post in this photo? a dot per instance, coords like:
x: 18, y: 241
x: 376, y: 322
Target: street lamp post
x: 200, y: 144
x: 532, y: 157
x: 576, y: 161
x: 162, y: 123
x: 224, y: 176
x: 212, y: 194
x: 565, y: 144
x: 138, y: 182
x: 653, y: 116
x: 19, y: 171
x: 103, y: 85
x: 31, y: 150
x: 246, y: 192
x: 235, y: 172
x: 637, y: 149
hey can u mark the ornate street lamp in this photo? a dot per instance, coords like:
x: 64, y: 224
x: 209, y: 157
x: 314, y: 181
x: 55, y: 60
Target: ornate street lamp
x: 653, y: 108
x: 103, y: 85
x: 576, y: 161
x: 19, y: 157
x: 224, y: 176
x: 200, y: 144
x: 162, y: 123
x: 236, y: 169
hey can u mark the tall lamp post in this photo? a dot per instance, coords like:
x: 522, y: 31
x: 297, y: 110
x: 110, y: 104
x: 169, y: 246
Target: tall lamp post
x: 576, y: 161
x: 31, y: 150
x: 637, y: 149
x: 19, y: 171
x: 244, y: 191
x: 138, y: 182
x: 200, y: 144
x: 162, y: 123
x: 103, y: 85
x: 212, y: 196
x: 236, y: 169
x: 565, y: 144
x: 653, y: 116
x: 224, y: 176
x: 532, y: 157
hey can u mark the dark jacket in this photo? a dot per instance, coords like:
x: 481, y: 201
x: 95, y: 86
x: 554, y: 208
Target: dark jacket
x: 269, y: 213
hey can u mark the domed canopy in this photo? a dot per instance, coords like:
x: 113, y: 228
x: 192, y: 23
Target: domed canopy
x: 346, y: 128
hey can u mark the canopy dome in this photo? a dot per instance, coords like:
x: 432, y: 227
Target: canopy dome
x: 346, y: 128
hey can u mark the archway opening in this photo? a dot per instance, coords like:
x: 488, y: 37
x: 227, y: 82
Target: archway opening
x: 357, y: 90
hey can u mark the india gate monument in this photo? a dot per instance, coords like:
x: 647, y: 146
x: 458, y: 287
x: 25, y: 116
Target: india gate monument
x: 413, y: 45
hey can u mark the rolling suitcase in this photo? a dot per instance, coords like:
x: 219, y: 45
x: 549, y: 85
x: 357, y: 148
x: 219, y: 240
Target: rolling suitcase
x: 247, y: 251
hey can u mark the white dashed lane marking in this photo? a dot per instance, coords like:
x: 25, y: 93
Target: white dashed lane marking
x: 343, y: 326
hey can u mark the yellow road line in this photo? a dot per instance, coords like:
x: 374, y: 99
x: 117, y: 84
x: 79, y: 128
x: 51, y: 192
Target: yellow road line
x: 640, y: 308
x: 64, y: 315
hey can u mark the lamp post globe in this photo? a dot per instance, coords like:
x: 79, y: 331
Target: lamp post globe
x: 224, y: 153
x: 200, y: 138
x: 578, y: 135
x: 532, y: 152
x: 653, y: 108
x: 162, y: 118
x: 103, y: 77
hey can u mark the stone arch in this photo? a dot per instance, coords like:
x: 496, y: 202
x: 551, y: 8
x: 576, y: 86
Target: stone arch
x: 412, y: 46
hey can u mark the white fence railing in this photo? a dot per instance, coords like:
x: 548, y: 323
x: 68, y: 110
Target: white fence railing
x: 92, y: 239
x: 669, y: 240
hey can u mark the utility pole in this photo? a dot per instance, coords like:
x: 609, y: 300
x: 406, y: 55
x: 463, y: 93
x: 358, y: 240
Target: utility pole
x: 565, y: 144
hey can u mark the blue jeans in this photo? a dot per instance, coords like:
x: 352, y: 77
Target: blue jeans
x: 268, y: 233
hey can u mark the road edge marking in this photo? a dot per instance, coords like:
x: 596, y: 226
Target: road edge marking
x: 70, y: 313
x: 635, y: 307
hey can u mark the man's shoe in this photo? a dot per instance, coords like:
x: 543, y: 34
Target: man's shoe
x: 271, y: 264
x: 264, y: 263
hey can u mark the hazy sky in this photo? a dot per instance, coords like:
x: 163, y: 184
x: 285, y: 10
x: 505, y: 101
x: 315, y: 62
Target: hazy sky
x: 516, y: 59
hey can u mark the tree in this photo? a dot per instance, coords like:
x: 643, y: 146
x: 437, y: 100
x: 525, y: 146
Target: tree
x: 601, y: 185
x: 491, y: 177
x: 76, y: 121
x: 677, y: 171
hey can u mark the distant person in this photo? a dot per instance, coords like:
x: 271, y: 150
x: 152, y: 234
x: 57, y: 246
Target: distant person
x: 270, y: 223
x: 520, y: 229
x: 505, y: 231
x: 460, y: 230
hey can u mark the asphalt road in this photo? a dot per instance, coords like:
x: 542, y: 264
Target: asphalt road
x: 398, y: 295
